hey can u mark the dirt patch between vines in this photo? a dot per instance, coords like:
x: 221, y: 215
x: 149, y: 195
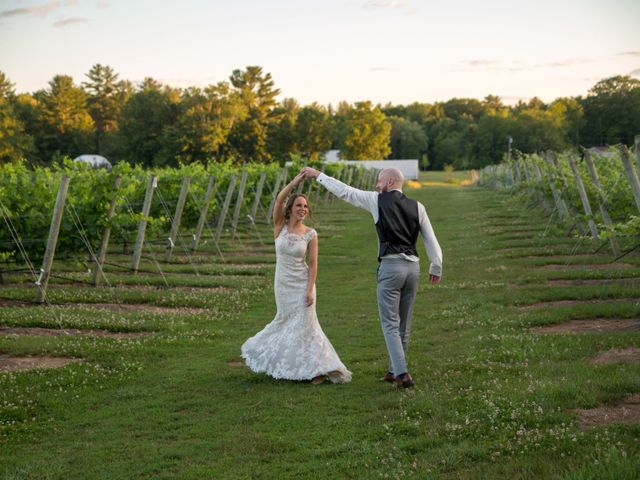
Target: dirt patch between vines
x: 266, y: 252
x: 236, y: 362
x: 16, y: 303
x: 21, y: 364
x: 182, y: 275
x: 617, y: 355
x: 586, y: 266
x: 525, y: 231
x: 566, y: 257
x: 56, y: 332
x: 625, y: 411
x: 594, y: 281
x: 134, y: 307
x: 180, y: 288
x: 504, y: 236
x: 570, y: 303
x: 219, y: 289
x: 517, y: 249
x: 594, y: 325
x: 578, y: 282
x: 493, y: 230
x: 107, y: 306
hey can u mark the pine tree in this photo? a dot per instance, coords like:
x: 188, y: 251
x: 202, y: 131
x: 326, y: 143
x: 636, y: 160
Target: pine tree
x: 248, y: 138
x: 106, y: 96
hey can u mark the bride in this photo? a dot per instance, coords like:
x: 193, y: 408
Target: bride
x: 293, y: 346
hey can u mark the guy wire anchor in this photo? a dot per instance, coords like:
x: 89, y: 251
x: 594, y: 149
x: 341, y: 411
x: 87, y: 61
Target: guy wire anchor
x: 39, y: 281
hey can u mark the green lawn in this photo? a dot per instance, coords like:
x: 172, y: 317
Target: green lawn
x: 492, y: 399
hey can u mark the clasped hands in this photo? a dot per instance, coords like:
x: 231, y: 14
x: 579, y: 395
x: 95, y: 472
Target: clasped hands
x: 307, y: 172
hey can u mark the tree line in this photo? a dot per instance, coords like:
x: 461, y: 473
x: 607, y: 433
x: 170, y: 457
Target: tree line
x: 241, y: 120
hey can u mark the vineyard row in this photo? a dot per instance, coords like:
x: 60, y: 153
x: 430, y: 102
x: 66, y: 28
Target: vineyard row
x: 595, y: 194
x: 81, y: 210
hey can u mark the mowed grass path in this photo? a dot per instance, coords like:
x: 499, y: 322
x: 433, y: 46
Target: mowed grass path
x: 492, y: 399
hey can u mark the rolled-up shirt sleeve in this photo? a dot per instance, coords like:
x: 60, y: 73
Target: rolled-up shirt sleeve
x: 359, y: 198
x: 431, y: 244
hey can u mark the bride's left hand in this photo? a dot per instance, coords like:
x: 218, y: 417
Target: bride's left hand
x: 309, y: 299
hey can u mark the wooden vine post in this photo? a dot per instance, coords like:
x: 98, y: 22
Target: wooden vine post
x: 52, y: 240
x: 106, y: 233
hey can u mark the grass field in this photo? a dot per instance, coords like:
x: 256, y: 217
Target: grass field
x: 497, y: 396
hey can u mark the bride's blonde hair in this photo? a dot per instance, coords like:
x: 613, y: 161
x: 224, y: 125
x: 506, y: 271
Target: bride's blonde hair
x: 289, y: 205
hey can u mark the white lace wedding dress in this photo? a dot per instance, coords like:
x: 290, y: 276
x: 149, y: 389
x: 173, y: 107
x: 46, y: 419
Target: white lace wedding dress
x: 293, y: 346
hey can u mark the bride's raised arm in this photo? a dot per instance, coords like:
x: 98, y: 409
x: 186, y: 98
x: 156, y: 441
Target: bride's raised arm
x: 278, y: 208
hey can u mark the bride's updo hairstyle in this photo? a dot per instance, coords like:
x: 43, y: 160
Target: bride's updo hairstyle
x: 290, y: 201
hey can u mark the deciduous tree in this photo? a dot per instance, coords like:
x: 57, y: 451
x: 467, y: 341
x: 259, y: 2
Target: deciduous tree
x: 367, y: 133
x: 15, y: 143
x: 143, y: 121
x: 282, y: 140
x: 313, y: 130
x: 207, y: 117
x: 408, y: 139
x: 612, y: 111
x: 64, y: 119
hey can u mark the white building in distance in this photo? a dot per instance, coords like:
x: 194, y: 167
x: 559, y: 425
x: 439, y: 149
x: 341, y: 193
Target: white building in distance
x: 409, y: 168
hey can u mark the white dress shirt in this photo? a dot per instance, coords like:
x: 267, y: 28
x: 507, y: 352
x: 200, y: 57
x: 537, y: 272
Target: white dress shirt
x: 369, y: 201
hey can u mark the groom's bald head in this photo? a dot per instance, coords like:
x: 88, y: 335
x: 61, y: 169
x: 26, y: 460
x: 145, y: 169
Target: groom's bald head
x: 390, y: 179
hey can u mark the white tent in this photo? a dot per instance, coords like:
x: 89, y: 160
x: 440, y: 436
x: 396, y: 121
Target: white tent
x: 96, y: 161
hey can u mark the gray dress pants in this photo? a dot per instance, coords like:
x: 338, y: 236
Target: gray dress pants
x: 397, y: 287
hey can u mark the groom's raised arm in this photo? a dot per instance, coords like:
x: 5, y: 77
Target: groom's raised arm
x: 359, y: 198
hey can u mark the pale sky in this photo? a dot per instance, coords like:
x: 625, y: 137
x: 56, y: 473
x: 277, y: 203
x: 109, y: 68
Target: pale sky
x: 398, y: 51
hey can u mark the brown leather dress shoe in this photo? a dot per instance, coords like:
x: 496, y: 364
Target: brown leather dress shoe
x: 404, y: 381
x: 319, y: 379
x: 389, y: 377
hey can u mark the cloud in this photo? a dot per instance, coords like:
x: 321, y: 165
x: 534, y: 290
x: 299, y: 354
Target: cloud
x: 38, y: 10
x: 102, y: 4
x: 482, y: 63
x: 630, y: 54
x: 382, y: 69
x: 391, y: 4
x: 569, y: 62
x: 69, y: 21
x: 577, y: 79
x: 515, y: 66
x: 635, y: 73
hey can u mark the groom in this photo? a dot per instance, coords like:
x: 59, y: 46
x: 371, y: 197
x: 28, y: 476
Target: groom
x: 398, y: 221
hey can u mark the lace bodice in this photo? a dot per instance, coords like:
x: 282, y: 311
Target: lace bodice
x: 292, y: 273
x: 293, y: 244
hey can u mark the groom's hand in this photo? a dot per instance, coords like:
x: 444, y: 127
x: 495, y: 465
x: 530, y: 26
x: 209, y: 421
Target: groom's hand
x: 434, y: 279
x: 310, y: 172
